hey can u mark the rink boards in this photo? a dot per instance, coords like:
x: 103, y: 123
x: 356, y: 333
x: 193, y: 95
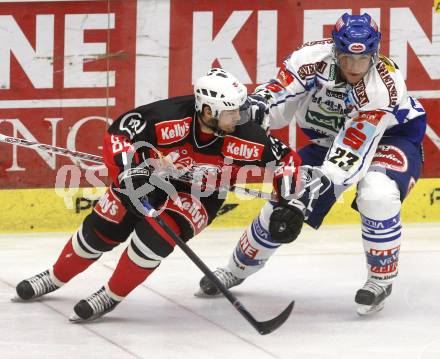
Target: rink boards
x: 64, y: 209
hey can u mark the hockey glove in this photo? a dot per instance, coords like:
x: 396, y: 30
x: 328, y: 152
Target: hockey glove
x: 285, y: 223
x: 258, y: 110
x: 296, y: 204
x: 134, y: 188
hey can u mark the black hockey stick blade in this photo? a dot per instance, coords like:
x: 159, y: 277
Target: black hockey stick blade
x: 270, y: 325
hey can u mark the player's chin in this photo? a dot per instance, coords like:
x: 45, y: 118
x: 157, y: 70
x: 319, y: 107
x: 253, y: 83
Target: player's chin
x: 354, y: 79
x: 229, y: 129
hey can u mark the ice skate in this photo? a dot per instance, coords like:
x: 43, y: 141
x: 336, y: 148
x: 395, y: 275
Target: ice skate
x: 93, y: 307
x: 208, y: 288
x: 371, y: 297
x: 35, y: 287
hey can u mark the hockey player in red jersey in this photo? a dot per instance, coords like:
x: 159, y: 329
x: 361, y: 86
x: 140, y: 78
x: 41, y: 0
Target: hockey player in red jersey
x: 205, y: 133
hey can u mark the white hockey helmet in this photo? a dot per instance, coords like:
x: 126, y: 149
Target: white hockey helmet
x: 220, y: 90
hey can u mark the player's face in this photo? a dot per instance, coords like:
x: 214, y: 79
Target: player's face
x: 354, y: 67
x: 228, y: 119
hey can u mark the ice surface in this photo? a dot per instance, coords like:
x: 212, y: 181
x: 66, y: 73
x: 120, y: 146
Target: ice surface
x: 162, y: 319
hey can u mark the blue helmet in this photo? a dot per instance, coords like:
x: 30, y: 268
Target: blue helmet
x: 356, y: 34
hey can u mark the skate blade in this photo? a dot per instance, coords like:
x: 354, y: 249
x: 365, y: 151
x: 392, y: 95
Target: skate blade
x: 364, y: 310
x: 74, y: 318
x: 17, y: 299
x: 202, y: 294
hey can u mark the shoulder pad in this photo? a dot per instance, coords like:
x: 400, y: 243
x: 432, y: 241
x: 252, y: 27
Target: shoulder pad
x: 384, y: 86
x: 310, y: 59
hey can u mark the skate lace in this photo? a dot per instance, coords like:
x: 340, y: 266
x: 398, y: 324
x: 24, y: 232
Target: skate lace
x: 373, y: 287
x: 100, y: 301
x: 227, y: 278
x: 42, y: 283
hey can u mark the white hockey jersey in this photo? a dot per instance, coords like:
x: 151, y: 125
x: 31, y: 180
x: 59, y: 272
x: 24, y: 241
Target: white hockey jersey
x: 350, y: 120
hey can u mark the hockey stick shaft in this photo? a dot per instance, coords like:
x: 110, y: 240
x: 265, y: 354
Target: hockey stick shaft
x: 99, y: 160
x: 265, y: 327
x: 52, y: 149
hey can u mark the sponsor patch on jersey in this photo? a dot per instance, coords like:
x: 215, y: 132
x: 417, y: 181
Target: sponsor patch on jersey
x: 168, y: 132
x: 331, y: 123
x: 335, y: 94
x: 306, y: 71
x: 356, y: 48
x: 361, y: 93
x: 284, y: 76
x: 388, y: 82
x: 313, y: 43
x: 321, y: 66
x: 191, y: 209
x: 332, y: 72
x: 390, y: 157
x: 274, y: 87
x: 132, y: 123
x: 110, y: 207
x: 372, y: 117
x: 242, y: 150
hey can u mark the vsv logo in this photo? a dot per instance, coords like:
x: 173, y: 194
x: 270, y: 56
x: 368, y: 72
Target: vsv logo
x: 383, y: 261
x: 172, y: 131
x: 242, y: 150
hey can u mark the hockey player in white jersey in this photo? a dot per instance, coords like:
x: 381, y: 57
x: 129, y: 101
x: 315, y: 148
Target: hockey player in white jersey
x: 363, y: 128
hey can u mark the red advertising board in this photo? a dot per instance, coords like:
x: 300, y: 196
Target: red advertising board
x: 68, y: 68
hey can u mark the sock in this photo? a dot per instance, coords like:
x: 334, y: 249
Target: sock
x: 69, y: 264
x: 127, y: 276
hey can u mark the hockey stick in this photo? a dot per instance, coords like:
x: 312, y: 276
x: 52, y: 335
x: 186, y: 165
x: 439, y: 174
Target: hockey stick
x: 98, y: 159
x: 263, y: 328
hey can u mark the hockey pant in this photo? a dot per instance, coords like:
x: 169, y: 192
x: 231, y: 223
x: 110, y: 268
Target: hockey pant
x: 378, y: 202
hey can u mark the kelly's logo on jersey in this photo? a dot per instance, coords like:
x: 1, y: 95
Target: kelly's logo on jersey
x: 192, y: 209
x: 242, y: 150
x: 110, y: 208
x: 172, y: 131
